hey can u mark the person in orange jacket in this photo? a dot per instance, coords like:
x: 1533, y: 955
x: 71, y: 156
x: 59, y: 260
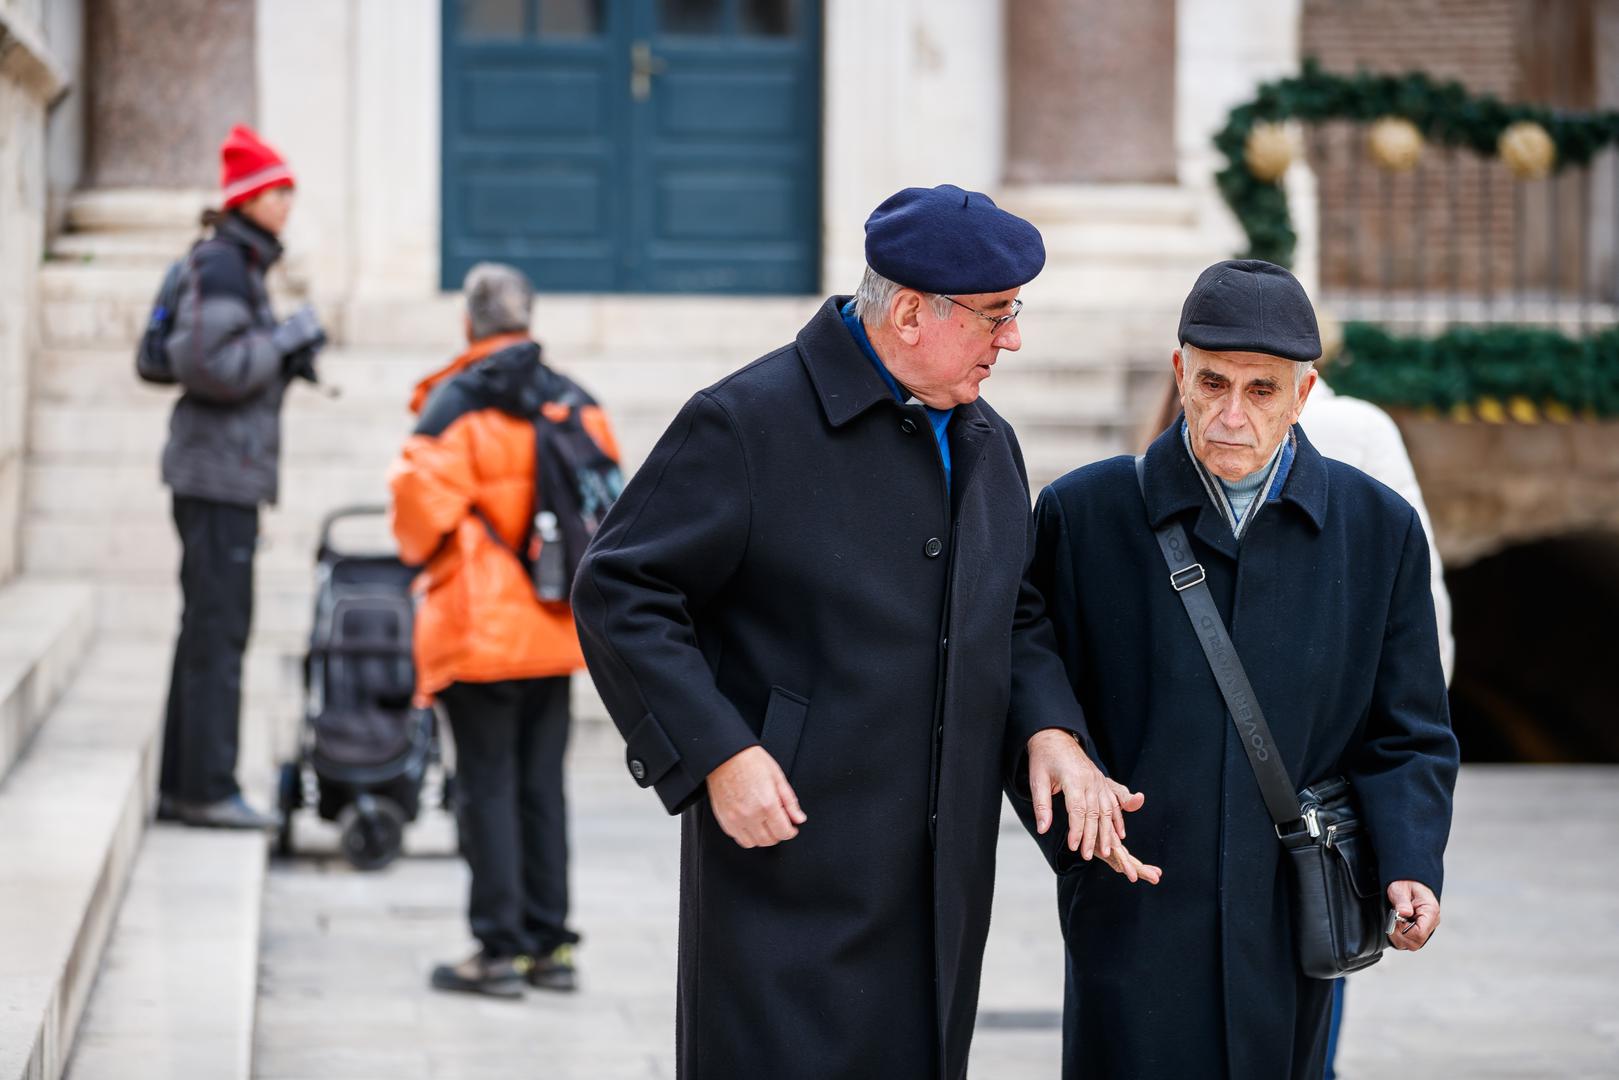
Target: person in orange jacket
x: 497, y: 659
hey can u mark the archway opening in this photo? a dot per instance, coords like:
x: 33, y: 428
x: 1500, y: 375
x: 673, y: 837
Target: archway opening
x: 1537, y: 674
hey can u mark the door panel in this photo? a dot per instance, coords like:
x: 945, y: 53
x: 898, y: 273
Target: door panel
x: 634, y: 145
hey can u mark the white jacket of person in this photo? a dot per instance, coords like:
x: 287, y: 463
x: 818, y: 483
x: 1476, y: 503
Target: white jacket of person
x: 1358, y: 433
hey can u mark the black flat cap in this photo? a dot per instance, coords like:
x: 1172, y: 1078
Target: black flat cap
x: 947, y: 240
x: 1248, y: 305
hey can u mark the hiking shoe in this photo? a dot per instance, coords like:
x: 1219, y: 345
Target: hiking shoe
x: 554, y: 970
x: 228, y: 813
x: 480, y: 973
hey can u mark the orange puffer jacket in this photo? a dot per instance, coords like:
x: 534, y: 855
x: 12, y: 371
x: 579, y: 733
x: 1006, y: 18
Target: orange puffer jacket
x: 472, y: 453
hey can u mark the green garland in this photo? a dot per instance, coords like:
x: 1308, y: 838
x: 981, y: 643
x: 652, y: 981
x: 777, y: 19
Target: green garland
x: 1466, y: 367
x: 1445, y: 112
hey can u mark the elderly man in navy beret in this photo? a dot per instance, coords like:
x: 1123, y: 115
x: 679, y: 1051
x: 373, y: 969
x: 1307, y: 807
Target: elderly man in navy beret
x: 1320, y: 576
x: 804, y: 615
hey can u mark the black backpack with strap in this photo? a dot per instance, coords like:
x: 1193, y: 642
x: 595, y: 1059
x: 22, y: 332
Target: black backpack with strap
x: 152, y: 361
x: 577, y: 481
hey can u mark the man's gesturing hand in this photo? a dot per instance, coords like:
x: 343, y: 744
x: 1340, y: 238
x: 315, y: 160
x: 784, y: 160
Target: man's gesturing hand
x: 1418, y: 911
x: 752, y: 800
x: 1096, y: 805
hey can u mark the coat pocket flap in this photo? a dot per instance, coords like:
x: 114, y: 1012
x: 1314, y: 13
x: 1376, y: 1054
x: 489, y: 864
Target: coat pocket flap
x: 783, y: 726
x: 648, y: 752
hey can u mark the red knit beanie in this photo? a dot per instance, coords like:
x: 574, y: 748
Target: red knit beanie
x: 247, y: 166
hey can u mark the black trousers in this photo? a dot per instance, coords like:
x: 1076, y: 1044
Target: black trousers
x: 510, y: 738
x: 200, y: 734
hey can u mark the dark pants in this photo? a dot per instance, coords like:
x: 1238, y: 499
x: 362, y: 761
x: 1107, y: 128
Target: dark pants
x: 509, y: 741
x: 205, y: 688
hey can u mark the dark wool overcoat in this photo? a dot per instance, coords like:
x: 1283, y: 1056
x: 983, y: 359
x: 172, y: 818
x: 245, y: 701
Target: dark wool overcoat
x: 789, y: 569
x: 1328, y: 603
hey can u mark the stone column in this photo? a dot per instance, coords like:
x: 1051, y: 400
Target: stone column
x: 1091, y: 88
x: 914, y: 94
x: 1223, y: 50
x: 167, y: 79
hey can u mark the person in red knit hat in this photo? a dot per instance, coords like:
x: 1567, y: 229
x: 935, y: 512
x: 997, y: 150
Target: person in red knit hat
x: 233, y: 361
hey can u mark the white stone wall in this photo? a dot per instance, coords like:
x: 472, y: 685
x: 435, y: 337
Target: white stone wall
x: 914, y: 93
x: 25, y: 84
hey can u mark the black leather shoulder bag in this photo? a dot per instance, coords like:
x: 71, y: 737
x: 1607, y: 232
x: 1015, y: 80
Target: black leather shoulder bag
x: 1341, y: 918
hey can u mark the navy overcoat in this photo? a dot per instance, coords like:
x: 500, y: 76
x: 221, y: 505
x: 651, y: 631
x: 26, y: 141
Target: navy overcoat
x: 1328, y: 603
x: 789, y: 569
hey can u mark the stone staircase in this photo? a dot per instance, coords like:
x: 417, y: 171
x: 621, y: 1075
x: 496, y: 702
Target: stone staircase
x: 100, y: 555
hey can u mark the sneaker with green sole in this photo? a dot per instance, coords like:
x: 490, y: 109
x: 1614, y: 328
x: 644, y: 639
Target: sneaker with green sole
x: 554, y: 970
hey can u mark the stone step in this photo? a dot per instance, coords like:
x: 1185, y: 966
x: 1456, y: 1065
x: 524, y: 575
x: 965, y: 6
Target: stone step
x: 45, y: 628
x: 72, y: 812
x: 124, y: 210
x: 1127, y: 284
x: 1048, y: 205
x: 179, y: 979
x: 736, y: 327
x: 151, y: 249
x: 633, y: 389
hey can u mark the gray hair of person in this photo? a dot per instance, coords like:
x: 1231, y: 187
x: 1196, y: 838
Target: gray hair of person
x: 876, y: 295
x: 500, y: 299
x: 1300, y: 368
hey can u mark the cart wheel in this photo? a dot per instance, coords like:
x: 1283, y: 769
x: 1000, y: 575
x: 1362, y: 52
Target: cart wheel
x: 288, y: 797
x: 373, y: 832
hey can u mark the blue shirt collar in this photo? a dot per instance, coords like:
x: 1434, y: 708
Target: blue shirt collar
x: 858, y: 329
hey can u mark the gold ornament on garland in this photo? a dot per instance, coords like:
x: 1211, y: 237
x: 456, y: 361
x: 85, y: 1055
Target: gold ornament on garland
x: 1528, y: 150
x: 1396, y: 144
x: 1268, y: 151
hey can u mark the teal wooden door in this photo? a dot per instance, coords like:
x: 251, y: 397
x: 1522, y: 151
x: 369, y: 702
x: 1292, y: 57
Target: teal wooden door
x: 634, y: 145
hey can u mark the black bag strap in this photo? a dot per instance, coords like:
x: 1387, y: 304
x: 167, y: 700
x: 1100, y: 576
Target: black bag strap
x: 1188, y: 579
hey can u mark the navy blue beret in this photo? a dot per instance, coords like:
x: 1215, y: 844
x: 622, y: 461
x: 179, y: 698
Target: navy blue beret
x: 946, y: 240
x: 1248, y: 305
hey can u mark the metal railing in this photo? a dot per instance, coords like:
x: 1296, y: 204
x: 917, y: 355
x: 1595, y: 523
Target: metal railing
x: 1458, y: 239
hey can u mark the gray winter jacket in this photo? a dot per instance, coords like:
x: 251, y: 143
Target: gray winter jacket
x: 225, y: 432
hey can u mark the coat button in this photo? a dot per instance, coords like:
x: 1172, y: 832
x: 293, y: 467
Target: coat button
x: 932, y: 548
x: 908, y: 426
x: 638, y: 769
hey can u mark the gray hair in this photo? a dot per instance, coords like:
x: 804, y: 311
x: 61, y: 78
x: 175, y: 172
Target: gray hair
x: 876, y: 295
x: 500, y: 300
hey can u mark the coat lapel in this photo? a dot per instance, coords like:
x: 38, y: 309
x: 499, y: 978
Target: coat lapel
x: 844, y: 379
x: 1173, y: 488
x: 970, y: 436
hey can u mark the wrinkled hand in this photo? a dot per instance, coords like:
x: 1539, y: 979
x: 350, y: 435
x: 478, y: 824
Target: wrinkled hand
x: 752, y: 800
x: 1096, y: 805
x: 1418, y: 911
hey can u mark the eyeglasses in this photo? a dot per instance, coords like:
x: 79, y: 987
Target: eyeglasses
x: 997, y: 322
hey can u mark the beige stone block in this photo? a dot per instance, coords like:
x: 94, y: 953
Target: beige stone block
x: 1596, y: 448
x: 1533, y: 448
x: 1441, y: 449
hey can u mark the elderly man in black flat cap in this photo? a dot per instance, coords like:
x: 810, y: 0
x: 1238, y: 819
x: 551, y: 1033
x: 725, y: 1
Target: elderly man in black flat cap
x: 1320, y: 576
x: 804, y: 614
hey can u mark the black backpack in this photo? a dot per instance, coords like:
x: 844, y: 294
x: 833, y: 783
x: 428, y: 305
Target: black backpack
x: 152, y: 353
x: 578, y: 483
